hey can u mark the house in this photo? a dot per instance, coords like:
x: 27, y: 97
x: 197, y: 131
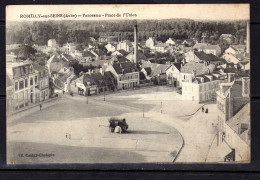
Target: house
x: 125, y: 73
x: 229, y: 38
x: 200, y: 56
x: 150, y: 42
x: 160, y: 47
x: 173, y: 74
x: 125, y: 45
x: 201, y: 87
x: 55, y: 64
x: 233, y: 119
x: 140, y: 56
x: 110, y: 47
x: 208, y: 48
x: 69, y: 48
x: 236, y: 49
x: 192, y: 69
x: 87, y: 56
x: 230, y: 58
x: 188, y: 42
x: 99, y: 54
x: 52, y: 43
x: 107, y: 38
x: 21, y: 85
x: 170, y: 42
x: 42, y: 90
x: 158, y: 73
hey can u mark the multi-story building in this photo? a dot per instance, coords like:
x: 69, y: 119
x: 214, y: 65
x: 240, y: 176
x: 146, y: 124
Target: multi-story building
x: 42, y: 89
x: 126, y: 74
x: 202, y: 87
x: 24, y: 79
x: 233, y: 119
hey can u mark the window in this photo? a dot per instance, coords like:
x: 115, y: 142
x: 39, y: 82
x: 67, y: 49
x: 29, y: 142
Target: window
x: 31, y: 81
x: 26, y: 83
x: 35, y: 79
x: 21, y: 85
x: 16, y: 86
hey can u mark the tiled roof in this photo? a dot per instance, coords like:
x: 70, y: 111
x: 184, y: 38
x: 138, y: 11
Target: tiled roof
x: 239, y: 47
x: 123, y: 52
x: 56, y: 64
x: 124, y: 67
x: 208, y: 57
x: 156, y: 68
x: 99, y: 52
x: 87, y: 54
x: 177, y: 65
x: 197, y: 68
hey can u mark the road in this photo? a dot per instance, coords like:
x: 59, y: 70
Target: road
x: 159, y: 123
x: 45, y: 131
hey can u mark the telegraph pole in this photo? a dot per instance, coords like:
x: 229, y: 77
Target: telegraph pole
x: 143, y: 110
x: 161, y: 107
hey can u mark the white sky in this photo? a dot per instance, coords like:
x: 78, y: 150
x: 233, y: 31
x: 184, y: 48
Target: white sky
x: 165, y: 11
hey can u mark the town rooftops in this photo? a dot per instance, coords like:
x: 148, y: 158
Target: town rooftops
x: 99, y: 52
x: 124, y: 67
x: 208, y: 57
x: 197, y: 68
x: 87, y: 54
x: 205, y: 46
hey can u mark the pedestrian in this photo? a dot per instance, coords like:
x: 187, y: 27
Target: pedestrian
x: 206, y: 111
x: 63, y: 91
x: 202, y: 109
x: 40, y: 107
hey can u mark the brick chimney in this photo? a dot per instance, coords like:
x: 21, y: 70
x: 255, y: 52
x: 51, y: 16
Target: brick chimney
x: 135, y: 44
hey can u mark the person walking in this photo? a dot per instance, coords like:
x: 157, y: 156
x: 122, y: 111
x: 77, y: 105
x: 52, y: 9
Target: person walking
x: 202, y: 109
x: 63, y: 91
x: 40, y: 107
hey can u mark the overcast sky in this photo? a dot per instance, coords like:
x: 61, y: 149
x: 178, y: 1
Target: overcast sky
x: 166, y: 11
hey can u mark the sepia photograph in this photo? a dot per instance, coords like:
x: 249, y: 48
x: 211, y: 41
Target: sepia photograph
x: 143, y: 83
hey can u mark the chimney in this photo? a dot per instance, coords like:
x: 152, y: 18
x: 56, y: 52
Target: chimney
x: 135, y: 44
x: 248, y: 37
x: 89, y: 72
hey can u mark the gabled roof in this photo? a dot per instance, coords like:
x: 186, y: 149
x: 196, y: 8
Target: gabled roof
x: 124, y: 67
x: 99, y: 52
x: 87, y: 54
x: 123, y: 52
x: 177, y: 65
x: 207, y: 57
x: 197, y: 68
x: 56, y: 64
x: 239, y: 47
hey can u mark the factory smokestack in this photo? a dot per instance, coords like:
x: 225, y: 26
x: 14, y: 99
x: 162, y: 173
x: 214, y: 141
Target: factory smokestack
x: 135, y: 44
x: 248, y: 37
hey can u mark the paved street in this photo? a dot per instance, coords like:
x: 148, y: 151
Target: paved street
x: 70, y: 129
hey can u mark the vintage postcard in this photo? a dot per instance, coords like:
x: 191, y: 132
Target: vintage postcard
x: 128, y: 83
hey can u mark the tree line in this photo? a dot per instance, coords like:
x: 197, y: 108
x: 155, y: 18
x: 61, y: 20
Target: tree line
x: 39, y: 32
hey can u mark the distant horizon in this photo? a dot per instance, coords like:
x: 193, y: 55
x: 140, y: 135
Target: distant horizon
x: 196, y: 12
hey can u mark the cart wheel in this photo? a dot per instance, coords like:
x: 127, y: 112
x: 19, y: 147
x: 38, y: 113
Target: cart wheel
x: 112, y: 129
